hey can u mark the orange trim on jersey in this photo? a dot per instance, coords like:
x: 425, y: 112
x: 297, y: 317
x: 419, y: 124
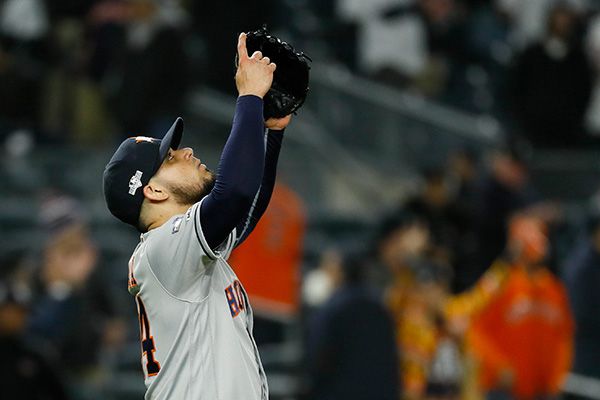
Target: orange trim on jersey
x: 131, y: 281
x: 145, y: 336
x: 151, y: 338
x: 132, y: 285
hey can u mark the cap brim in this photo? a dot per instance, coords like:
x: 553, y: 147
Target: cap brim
x: 172, y: 139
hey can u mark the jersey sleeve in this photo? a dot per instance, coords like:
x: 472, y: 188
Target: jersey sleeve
x: 224, y: 249
x: 179, y: 257
x: 273, y: 140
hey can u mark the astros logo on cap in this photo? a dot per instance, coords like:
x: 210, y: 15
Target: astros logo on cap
x: 139, y: 139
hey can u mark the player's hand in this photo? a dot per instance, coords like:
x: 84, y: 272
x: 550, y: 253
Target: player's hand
x: 255, y: 73
x: 278, y: 124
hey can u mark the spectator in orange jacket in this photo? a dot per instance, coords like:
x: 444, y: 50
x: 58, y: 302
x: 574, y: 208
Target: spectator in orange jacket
x: 522, y: 339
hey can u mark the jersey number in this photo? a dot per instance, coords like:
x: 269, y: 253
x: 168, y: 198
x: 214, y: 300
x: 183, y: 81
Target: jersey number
x: 152, y: 366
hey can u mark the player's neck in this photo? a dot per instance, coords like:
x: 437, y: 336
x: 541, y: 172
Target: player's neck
x: 165, y: 211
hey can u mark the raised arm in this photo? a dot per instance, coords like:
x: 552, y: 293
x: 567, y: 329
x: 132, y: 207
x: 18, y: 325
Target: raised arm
x: 274, y: 138
x: 241, y: 166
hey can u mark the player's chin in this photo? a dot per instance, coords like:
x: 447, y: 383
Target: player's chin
x: 208, y: 181
x: 207, y: 175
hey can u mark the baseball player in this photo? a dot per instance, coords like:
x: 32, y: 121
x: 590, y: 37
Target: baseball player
x: 195, y: 318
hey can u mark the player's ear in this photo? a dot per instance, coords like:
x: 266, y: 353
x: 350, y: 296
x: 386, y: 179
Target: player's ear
x: 155, y: 192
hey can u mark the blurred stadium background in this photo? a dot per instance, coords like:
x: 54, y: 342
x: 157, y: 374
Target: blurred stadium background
x: 429, y: 125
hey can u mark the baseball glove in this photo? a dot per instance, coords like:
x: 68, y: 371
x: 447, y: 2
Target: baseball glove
x: 290, y: 79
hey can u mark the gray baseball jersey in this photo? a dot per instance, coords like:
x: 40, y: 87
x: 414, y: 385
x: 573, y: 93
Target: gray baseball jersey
x: 195, y: 318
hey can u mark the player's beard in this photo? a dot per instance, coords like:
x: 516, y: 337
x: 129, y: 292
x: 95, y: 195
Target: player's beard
x: 191, y: 193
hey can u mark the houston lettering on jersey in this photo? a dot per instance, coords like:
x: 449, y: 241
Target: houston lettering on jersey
x: 236, y: 298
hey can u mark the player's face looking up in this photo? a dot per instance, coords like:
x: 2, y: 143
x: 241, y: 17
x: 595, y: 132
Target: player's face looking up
x: 184, y: 176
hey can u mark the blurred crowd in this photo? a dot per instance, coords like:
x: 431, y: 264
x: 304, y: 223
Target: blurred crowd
x: 532, y: 64
x: 86, y: 71
x: 465, y: 286
x: 94, y: 71
x: 59, y: 323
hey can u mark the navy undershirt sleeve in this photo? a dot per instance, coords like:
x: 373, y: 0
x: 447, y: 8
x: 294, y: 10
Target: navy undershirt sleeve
x: 274, y: 140
x: 239, y: 174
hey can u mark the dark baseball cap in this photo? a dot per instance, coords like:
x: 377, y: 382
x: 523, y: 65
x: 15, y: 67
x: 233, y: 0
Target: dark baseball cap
x: 136, y: 161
